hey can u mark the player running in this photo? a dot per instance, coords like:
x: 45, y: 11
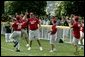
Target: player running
x: 53, y: 36
x: 16, y: 35
x: 76, y: 32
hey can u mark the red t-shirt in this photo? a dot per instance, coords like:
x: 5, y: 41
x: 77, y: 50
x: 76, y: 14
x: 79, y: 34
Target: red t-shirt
x: 76, y: 30
x: 54, y: 29
x: 33, y: 23
x: 24, y: 24
x: 17, y: 25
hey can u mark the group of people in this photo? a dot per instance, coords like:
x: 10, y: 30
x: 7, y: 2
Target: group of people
x: 22, y: 23
x: 29, y: 24
x: 61, y: 21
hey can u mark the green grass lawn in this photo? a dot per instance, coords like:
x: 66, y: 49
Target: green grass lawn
x: 63, y: 49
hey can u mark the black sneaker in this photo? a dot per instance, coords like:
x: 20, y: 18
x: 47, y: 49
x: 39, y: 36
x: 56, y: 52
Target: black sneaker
x: 76, y: 53
x: 15, y: 44
x: 17, y: 50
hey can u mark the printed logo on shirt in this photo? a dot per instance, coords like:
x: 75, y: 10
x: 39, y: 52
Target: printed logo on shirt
x: 33, y: 22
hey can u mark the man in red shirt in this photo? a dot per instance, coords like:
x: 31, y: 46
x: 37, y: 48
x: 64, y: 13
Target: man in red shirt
x: 33, y: 25
x: 24, y: 28
x: 76, y: 32
x: 16, y: 35
x: 53, y: 36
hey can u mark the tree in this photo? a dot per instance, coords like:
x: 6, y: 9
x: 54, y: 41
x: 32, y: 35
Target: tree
x: 30, y: 6
x: 78, y: 7
x: 70, y: 7
x: 2, y: 6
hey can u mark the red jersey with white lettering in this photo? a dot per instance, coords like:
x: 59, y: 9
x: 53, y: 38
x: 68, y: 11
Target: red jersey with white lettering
x: 54, y: 29
x: 76, y: 30
x: 33, y: 23
x: 17, y: 25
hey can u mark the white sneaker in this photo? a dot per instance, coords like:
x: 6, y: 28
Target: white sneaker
x: 51, y: 50
x: 54, y: 49
x: 27, y: 45
x: 29, y: 48
x: 41, y: 49
x: 81, y: 47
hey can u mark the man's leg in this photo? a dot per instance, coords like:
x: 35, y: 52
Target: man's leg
x: 38, y: 42
x: 52, y: 46
x: 39, y: 45
x: 76, y: 45
x: 36, y: 34
x: 31, y: 35
x: 30, y: 44
x: 14, y: 37
x: 25, y: 36
x: 18, y: 40
x: 52, y: 42
x: 81, y: 39
x: 11, y: 37
x: 6, y: 37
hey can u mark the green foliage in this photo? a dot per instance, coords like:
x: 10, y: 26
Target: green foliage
x: 30, y: 6
x: 5, y: 17
x: 70, y: 7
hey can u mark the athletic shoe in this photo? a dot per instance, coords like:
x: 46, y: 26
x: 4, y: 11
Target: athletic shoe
x: 41, y: 49
x: 27, y: 45
x: 29, y: 48
x: 17, y: 50
x: 76, y: 53
x: 51, y: 50
x: 54, y: 49
x: 81, y: 47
